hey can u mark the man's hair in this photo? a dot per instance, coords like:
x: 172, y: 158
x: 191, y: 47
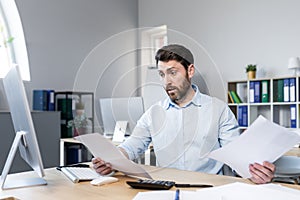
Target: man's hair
x: 175, y: 52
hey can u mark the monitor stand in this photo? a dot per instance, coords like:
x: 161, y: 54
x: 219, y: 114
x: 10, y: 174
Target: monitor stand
x: 10, y: 184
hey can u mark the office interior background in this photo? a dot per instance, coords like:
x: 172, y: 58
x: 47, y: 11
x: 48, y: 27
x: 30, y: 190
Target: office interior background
x: 94, y: 45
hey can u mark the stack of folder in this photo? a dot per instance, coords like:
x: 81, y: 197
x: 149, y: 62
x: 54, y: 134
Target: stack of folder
x: 285, y: 90
x: 259, y: 91
x: 43, y: 100
x: 234, y: 97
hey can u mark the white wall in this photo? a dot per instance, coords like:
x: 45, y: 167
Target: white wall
x: 226, y: 35
x: 61, y: 36
x: 91, y: 44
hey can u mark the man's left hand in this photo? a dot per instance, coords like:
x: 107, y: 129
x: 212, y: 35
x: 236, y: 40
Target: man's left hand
x: 262, y: 173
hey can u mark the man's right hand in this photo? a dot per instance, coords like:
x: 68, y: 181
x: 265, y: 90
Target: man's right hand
x: 101, y: 166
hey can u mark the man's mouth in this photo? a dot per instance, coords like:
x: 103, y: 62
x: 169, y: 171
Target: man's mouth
x: 171, y: 90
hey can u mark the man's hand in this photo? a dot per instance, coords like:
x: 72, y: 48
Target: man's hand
x: 262, y: 173
x: 101, y: 166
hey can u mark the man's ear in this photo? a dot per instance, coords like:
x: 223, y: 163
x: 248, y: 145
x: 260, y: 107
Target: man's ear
x: 191, y: 70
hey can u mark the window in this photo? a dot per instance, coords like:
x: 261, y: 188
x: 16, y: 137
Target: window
x: 152, y: 39
x: 12, y: 42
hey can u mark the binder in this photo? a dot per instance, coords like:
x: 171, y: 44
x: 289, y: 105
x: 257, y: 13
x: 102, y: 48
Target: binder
x: 65, y: 106
x: 39, y: 100
x: 286, y: 90
x: 240, y: 115
x: 244, y: 116
x: 230, y: 98
x: 264, y: 91
x: 50, y: 100
x: 279, y: 92
x: 235, y: 97
x: 257, y: 97
x: 251, y: 92
x: 293, y: 116
x: 292, y: 89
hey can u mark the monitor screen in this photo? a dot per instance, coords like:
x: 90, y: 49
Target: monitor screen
x: 120, y: 109
x: 25, y: 138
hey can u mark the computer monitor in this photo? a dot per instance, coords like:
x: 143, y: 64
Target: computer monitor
x: 25, y: 138
x: 120, y: 109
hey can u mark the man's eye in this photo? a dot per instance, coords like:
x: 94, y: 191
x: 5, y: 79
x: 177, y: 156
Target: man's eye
x: 161, y: 75
x: 173, y: 72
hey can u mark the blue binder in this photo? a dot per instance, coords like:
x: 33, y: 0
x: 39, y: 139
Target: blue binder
x: 292, y: 89
x: 39, y: 100
x: 251, y: 92
x: 240, y: 115
x: 50, y: 100
x: 244, y: 116
x: 293, y: 116
x: 257, y: 93
x: 286, y: 90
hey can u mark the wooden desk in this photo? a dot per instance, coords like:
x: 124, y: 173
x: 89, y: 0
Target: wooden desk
x: 293, y: 152
x: 60, y: 187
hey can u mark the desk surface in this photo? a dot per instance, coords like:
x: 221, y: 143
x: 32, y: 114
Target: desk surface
x: 60, y: 187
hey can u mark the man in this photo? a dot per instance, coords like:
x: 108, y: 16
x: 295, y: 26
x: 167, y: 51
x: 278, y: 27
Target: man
x: 185, y: 127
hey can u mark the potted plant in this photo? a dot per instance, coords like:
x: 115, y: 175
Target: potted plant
x: 80, y: 124
x: 251, y: 71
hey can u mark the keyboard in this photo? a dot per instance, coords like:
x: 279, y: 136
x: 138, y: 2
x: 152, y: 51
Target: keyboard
x: 76, y: 174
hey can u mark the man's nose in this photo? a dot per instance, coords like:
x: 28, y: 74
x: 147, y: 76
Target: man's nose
x: 167, y: 80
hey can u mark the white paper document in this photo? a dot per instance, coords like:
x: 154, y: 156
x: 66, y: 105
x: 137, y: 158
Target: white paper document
x: 232, y: 191
x: 101, y: 147
x: 262, y: 141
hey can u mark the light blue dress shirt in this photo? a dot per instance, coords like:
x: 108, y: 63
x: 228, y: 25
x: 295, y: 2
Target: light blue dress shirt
x: 183, y: 136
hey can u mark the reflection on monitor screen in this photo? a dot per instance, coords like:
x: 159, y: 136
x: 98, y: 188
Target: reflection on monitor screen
x: 25, y: 138
x: 120, y: 109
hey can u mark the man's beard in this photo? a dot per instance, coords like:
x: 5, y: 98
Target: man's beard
x: 172, y: 92
x: 175, y: 93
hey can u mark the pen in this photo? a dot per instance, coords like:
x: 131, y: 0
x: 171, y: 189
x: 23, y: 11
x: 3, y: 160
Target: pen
x: 193, y: 185
x: 177, y: 194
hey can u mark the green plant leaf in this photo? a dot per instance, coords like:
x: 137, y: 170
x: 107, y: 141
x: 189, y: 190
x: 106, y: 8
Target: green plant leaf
x: 250, y: 67
x: 10, y: 39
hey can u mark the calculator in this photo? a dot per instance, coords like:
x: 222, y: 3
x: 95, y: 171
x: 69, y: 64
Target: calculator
x: 151, y: 184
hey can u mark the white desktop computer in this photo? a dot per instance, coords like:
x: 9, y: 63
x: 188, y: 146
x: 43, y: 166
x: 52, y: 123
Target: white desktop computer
x: 116, y: 111
x: 25, y: 139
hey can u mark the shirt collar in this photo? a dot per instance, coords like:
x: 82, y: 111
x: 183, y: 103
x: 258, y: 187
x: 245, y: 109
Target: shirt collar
x: 195, y: 101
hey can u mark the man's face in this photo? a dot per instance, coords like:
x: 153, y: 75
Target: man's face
x: 176, y: 80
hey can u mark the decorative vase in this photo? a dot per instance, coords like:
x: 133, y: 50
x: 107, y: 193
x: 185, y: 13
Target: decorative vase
x: 82, y: 125
x: 251, y: 75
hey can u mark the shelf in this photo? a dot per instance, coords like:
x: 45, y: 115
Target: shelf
x: 277, y: 99
x: 65, y: 101
x: 73, y: 151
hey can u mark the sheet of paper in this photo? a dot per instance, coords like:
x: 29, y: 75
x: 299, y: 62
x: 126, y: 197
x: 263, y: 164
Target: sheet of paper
x: 262, y: 141
x: 238, y: 191
x: 232, y: 191
x: 101, y: 147
x: 166, y: 195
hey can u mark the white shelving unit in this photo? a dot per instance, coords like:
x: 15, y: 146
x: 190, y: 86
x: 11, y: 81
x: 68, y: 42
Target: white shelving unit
x: 275, y: 110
